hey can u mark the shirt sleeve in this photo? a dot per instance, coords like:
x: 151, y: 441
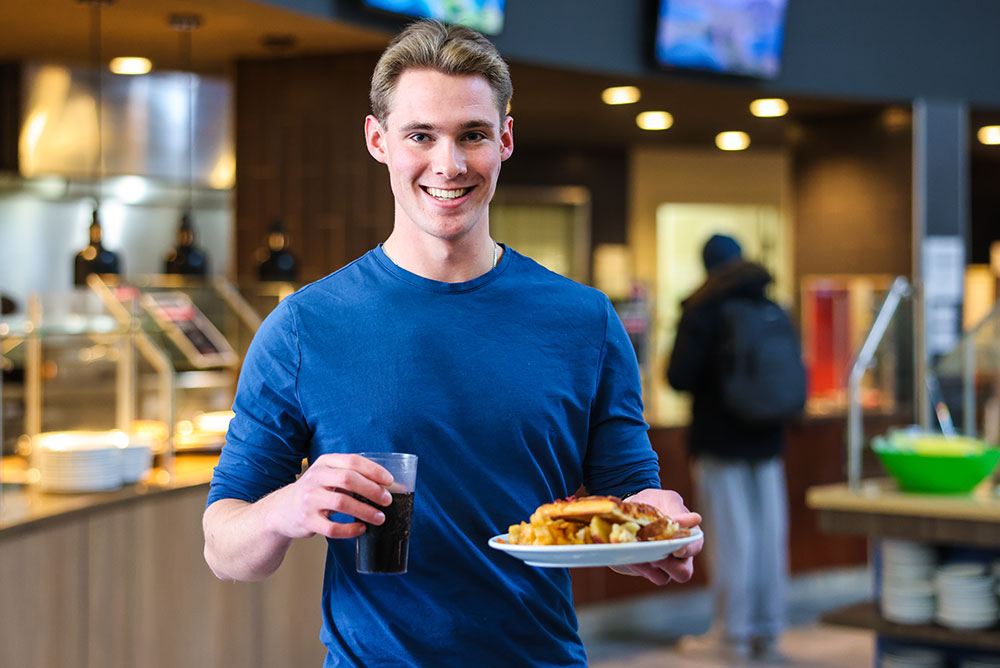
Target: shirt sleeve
x: 619, y: 456
x: 268, y: 437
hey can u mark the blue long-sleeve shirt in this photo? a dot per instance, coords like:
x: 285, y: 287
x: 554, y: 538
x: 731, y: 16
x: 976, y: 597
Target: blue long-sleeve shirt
x: 515, y: 388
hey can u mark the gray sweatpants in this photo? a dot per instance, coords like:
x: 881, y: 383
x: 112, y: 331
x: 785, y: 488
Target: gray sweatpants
x: 745, y: 509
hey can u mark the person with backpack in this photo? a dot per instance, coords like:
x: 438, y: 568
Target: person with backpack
x: 739, y: 356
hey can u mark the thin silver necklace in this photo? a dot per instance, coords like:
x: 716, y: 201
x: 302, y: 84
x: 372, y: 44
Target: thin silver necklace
x: 496, y: 247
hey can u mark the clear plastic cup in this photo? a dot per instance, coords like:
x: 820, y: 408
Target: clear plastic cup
x: 385, y: 548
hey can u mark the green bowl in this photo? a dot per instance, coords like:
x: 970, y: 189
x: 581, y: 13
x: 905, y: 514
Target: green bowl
x: 938, y: 474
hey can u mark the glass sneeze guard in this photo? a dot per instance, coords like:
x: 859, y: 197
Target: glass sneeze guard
x: 97, y: 358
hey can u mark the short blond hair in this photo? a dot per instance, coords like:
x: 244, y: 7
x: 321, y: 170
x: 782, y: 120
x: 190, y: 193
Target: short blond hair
x: 449, y: 49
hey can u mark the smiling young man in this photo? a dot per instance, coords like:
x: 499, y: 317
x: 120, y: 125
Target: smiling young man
x: 513, y: 385
x: 443, y: 143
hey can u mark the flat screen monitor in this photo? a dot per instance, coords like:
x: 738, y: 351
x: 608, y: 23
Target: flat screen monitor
x: 486, y: 16
x: 740, y: 37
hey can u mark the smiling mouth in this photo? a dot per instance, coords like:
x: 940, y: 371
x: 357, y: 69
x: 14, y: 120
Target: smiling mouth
x: 445, y: 194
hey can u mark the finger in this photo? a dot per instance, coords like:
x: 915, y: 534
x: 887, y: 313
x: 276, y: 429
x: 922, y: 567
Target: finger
x: 353, y: 462
x: 323, y: 502
x: 349, y: 482
x: 689, y: 550
x: 688, y: 520
x: 680, y: 570
x: 340, y: 530
x: 349, y: 505
x: 652, y: 573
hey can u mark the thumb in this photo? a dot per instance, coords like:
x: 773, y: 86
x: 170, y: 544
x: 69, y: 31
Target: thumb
x: 688, y: 520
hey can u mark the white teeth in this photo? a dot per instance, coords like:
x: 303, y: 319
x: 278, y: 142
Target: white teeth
x: 447, y: 194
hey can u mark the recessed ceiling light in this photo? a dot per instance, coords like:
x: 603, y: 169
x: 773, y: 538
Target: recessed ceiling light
x: 989, y: 134
x: 769, y: 107
x: 621, y: 95
x: 130, y: 65
x: 654, y: 120
x: 732, y: 141
x: 896, y: 118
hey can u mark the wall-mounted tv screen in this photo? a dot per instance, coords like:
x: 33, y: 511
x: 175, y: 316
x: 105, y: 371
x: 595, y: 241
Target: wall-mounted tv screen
x: 742, y: 37
x: 486, y: 16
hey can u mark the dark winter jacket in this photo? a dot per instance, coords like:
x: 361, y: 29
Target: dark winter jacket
x: 694, y: 368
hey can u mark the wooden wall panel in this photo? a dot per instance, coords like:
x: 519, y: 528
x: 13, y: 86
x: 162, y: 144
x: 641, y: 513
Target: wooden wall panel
x: 43, y: 586
x: 10, y: 115
x: 984, y: 211
x: 154, y: 602
x: 853, y: 209
x: 301, y: 156
x: 291, y: 599
x: 128, y: 586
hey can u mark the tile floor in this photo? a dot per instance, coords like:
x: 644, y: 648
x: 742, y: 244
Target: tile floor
x: 803, y: 646
x: 649, y: 632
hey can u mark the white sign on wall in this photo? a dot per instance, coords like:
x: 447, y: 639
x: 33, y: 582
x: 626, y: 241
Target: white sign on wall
x: 943, y: 269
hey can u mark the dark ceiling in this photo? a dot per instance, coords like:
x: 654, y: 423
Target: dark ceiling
x: 551, y: 107
x: 562, y: 107
x: 230, y: 29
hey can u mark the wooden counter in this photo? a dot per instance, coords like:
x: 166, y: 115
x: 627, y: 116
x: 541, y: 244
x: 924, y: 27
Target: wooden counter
x: 118, y: 580
x: 23, y: 506
x: 878, y: 508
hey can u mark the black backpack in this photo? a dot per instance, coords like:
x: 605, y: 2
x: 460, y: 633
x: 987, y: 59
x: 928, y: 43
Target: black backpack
x: 762, y: 378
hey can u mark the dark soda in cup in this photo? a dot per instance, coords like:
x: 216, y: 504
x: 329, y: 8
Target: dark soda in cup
x: 385, y: 548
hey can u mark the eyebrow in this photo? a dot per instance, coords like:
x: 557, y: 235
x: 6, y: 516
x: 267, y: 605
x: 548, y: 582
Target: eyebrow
x: 468, y: 125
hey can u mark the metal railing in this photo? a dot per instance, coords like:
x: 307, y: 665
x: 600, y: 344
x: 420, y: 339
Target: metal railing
x: 855, y: 433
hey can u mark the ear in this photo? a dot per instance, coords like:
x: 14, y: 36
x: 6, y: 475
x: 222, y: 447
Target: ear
x: 375, y: 139
x: 506, y: 138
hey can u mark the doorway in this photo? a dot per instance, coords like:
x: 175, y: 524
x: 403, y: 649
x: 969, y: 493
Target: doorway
x: 681, y: 232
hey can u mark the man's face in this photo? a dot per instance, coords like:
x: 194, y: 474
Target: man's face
x: 443, y: 142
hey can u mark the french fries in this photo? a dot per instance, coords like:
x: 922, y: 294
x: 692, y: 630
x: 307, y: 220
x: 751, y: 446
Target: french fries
x: 593, y: 519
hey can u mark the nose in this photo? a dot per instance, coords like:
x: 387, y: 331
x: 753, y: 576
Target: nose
x: 449, y: 160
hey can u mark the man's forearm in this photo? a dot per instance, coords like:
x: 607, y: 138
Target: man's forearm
x: 239, y: 544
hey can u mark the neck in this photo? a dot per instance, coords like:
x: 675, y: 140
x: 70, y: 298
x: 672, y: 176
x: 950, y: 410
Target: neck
x: 442, y: 260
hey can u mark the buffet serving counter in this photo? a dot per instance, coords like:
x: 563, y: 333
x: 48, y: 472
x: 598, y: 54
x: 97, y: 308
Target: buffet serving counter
x: 24, y: 507
x: 118, y: 579
x: 878, y: 510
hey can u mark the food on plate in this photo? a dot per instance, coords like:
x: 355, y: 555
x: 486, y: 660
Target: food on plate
x: 594, y: 519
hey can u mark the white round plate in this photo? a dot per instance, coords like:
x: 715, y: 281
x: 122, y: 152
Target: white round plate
x: 580, y: 556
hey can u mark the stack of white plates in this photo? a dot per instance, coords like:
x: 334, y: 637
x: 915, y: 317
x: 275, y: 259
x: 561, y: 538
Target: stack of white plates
x: 966, y: 596
x: 913, y: 658
x: 136, y: 460
x: 79, y: 461
x: 907, y: 572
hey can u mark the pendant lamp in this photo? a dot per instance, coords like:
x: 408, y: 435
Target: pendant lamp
x: 277, y: 263
x: 95, y: 258
x: 186, y: 258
